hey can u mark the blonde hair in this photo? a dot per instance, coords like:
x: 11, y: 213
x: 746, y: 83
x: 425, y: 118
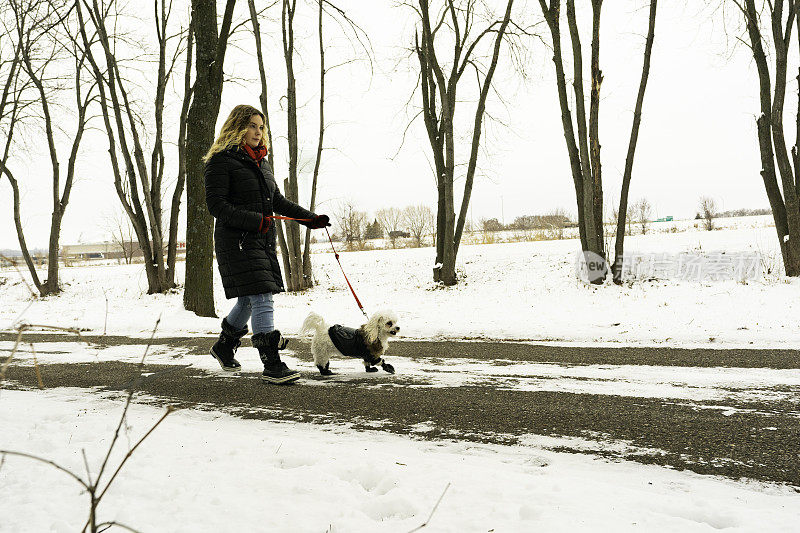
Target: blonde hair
x: 234, y: 130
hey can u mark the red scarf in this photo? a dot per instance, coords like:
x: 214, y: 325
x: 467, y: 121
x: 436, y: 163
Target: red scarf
x: 258, y: 153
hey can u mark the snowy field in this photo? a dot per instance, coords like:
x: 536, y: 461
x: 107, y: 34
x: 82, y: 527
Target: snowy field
x: 526, y: 291
x: 205, y: 470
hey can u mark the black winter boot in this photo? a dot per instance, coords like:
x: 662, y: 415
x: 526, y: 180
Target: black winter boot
x: 275, y: 370
x: 225, y: 347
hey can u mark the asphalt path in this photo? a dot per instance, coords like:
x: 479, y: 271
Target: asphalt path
x: 486, y: 350
x: 753, y: 438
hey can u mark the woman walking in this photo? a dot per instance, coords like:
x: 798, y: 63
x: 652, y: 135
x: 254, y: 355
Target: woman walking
x: 241, y: 194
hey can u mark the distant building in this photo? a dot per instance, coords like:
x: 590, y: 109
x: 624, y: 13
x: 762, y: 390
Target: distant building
x: 102, y: 250
x: 108, y: 250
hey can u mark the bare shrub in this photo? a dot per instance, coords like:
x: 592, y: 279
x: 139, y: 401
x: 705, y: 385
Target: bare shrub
x: 390, y: 219
x: 420, y: 221
x: 642, y: 213
x: 122, y: 234
x: 352, y: 225
x: 708, y: 212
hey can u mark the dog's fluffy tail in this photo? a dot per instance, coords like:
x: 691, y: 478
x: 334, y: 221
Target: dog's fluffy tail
x: 313, y: 322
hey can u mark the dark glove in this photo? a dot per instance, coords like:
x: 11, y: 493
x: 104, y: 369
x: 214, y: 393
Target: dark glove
x: 319, y: 221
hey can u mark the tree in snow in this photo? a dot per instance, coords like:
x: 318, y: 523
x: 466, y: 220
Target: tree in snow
x: 642, y: 213
x: 457, y: 28
x: 138, y: 182
x: 584, y: 149
x: 45, y: 67
x: 390, y: 219
x: 211, y: 43
x: 769, y: 31
x: 352, y: 224
x: 419, y: 220
x: 708, y: 211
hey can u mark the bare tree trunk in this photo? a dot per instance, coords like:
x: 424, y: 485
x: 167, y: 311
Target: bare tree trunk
x: 265, y: 109
x: 21, y: 234
x: 586, y: 204
x: 201, y: 121
x: 294, y: 277
x: 157, y: 157
x: 552, y: 16
x: 785, y: 209
x: 477, y: 129
x: 439, y: 119
x: 297, y: 259
x: 51, y: 285
x: 177, y: 195
x: 145, y: 217
x: 307, y: 269
x: 781, y: 40
x: 25, y: 30
x: 440, y: 228
x: 38, y: 30
x: 616, y: 268
x: 596, y: 184
x: 584, y: 152
x: 12, y: 94
x: 432, y: 126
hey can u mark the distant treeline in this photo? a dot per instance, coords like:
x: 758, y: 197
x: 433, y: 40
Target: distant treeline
x: 9, y: 252
x: 739, y: 213
x: 529, y: 222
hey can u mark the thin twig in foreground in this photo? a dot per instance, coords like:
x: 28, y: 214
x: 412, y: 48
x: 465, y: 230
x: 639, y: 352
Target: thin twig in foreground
x: 122, y: 418
x: 128, y: 455
x: 110, y: 524
x: 21, y: 329
x: 425, y: 523
x: 105, y: 320
x: 49, y: 462
x: 86, y: 464
x: 52, y: 328
x: 10, y: 358
x: 36, y: 367
x: 127, y: 403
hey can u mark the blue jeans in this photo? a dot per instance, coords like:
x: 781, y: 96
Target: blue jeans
x: 258, y: 308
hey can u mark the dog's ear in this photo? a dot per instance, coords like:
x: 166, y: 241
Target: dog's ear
x: 372, y: 328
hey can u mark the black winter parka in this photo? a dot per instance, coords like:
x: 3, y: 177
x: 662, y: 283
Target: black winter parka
x: 239, y: 193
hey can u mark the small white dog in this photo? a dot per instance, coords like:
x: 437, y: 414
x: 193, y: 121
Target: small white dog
x: 368, y: 342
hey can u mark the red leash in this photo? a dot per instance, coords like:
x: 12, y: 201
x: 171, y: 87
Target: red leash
x: 335, y: 253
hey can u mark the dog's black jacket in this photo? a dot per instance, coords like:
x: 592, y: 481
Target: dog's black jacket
x: 351, y: 342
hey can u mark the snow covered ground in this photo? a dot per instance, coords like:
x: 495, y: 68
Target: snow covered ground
x: 525, y: 290
x: 202, y: 471
x: 209, y: 471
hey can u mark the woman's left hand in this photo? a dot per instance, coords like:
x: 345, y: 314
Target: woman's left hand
x: 319, y: 221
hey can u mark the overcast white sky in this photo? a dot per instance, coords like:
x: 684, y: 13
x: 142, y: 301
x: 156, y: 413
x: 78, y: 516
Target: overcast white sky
x: 697, y: 136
